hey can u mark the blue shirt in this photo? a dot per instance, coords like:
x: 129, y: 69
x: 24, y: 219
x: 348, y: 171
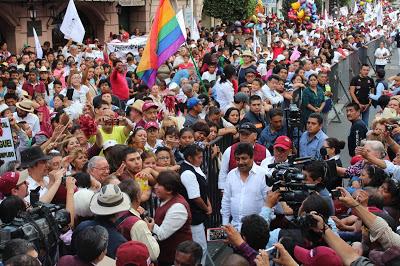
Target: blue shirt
x: 183, y: 73
x: 310, y: 148
x: 267, y: 138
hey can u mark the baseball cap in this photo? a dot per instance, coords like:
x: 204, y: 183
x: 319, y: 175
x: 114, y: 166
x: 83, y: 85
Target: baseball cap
x: 317, y: 256
x: 241, y: 97
x: 133, y: 253
x: 151, y: 124
x: 147, y: 105
x: 10, y: 180
x: 247, y: 126
x: 109, y: 143
x: 283, y: 142
x: 192, y: 102
x: 250, y: 71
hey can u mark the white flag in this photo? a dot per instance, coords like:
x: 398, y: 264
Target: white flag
x: 195, y: 35
x: 72, y: 26
x: 181, y: 22
x: 38, y: 47
x: 379, y: 15
x: 355, y: 9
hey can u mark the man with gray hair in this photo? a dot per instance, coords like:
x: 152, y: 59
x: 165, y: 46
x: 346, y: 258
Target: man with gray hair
x: 98, y: 169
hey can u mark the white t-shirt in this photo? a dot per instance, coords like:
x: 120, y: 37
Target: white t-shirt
x: 78, y: 96
x: 210, y: 77
x: 33, y: 185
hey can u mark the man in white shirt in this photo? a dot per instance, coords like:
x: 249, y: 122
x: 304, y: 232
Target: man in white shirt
x: 24, y: 112
x: 247, y: 134
x: 195, y: 193
x: 245, y: 188
x: 269, y: 90
x: 210, y: 74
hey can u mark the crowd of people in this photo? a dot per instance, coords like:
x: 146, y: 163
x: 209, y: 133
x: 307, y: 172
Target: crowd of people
x: 127, y: 160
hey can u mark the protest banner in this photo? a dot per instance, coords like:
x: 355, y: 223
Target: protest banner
x: 132, y: 46
x: 7, y: 151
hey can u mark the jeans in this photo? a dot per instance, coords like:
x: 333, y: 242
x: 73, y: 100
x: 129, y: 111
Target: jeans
x: 365, y: 116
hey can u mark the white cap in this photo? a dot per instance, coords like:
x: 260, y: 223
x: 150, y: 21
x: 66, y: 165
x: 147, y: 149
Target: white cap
x: 109, y: 143
x: 3, y: 107
x: 280, y: 58
x: 277, y: 39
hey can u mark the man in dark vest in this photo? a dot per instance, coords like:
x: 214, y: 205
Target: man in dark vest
x: 195, y: 192
x: 247, y: 134
x: 171, y: 224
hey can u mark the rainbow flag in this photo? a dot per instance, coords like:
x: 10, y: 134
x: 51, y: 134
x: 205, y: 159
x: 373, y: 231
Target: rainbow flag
x: 164, y: 40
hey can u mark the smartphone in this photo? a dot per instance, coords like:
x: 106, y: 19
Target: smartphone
x: 216, y: 234
x: 336, y: 193
x: 70, y: 92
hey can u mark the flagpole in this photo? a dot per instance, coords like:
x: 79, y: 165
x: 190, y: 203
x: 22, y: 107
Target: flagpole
x: 196, y: 68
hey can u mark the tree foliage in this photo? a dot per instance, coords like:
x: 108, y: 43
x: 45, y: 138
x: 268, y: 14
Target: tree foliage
x: 229, y: 10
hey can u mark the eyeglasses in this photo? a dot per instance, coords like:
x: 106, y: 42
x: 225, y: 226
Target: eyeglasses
x: 103, y: 168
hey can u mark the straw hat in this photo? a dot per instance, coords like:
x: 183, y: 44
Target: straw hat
x: 25, y: 105
x: 109, y: 200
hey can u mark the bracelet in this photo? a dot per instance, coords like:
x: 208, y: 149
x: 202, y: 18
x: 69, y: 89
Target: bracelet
x: 355, y: 206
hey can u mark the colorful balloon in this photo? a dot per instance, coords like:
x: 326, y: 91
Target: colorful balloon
x: 362, y: 3
x: 295, y: 5
x: 300, y: 14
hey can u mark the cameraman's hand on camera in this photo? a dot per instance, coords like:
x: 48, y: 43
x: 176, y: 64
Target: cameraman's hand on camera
x: 321, y: 226
x: 272, y: 198
x: 233, y: 236
x: 262, y: 258
x: 284, y: 258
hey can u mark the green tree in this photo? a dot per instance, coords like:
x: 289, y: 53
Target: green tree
x: 229, y: 10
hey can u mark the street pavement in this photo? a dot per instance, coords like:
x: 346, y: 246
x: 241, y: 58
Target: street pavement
x: 341, y: 130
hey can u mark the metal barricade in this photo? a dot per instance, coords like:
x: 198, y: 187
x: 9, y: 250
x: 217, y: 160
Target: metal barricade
x: 211, y: 166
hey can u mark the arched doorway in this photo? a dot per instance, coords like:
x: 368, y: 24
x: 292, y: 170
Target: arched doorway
x: 7, y: 33
x: 58, y: 36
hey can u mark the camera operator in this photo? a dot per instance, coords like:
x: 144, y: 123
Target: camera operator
x: 36, y: 162
x: 253, y: 236
x: 14, y: 184
x: 282, y: 149
x: 247, y: 134
x: 315, y: 173
x: 18, y: 246
x: 130, y: 223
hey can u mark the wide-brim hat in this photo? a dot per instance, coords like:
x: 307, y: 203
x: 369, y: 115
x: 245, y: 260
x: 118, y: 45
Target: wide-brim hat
x: 31, y: 156
x: 25, y: 105
x: 109, y: 200
x: 247, y: 53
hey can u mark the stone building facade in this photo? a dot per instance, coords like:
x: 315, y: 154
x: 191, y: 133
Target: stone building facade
x: 100, y: 18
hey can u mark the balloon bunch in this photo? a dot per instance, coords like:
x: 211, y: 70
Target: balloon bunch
x: 362, y: 3
x: 303, y: 12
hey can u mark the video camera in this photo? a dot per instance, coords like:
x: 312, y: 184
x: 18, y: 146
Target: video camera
x: 41, y: 225
x: 288, y: 180
x: 293, y: 116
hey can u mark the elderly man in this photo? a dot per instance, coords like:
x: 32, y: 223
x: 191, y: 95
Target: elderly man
x: 99, y: 170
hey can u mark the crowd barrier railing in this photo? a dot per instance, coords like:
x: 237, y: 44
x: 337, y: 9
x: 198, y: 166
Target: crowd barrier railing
x: 342, y: 72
